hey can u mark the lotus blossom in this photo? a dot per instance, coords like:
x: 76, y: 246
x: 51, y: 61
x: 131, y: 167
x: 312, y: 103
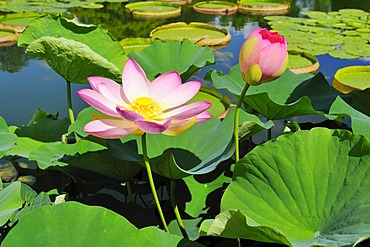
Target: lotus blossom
x: 140, y: 106
x: 263, y: 56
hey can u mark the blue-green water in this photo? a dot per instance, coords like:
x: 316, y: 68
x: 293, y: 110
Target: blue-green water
x: 28, y: 83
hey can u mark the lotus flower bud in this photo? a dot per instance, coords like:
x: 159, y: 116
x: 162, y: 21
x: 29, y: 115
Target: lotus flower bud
x: 263, y: 56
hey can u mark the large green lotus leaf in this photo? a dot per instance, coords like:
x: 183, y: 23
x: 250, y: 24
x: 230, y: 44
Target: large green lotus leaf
x: 7, y: 140
x: 72, y: 60
x: 103, y: 162
x: 361, y: 101
x: 199, y: 191
x: 95, y: 37
x: 50, y: 154
x: 12, y: 198
x: 159, y: 238
x: 311, y: 186
x: 40, y: 200
x: 44, y: 130
x: 24, y: 147
x: 250, y: 124
x: 83, y: 117
x: 75, y: 224
x: 175, y: 157
x: 288, y: 96
x: 184, y: 57
x: 220, y: 103
x: 360, y: 122
x: 235, y: 224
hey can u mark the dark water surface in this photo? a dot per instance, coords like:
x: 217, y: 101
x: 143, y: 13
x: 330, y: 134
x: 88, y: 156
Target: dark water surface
x: 28, y: 83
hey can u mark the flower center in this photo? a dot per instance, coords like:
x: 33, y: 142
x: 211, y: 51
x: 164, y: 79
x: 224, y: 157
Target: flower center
x: 146, y: 107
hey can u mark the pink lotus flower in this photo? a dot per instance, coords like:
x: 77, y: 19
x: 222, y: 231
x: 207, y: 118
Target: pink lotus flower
x: 263, y: 56
x: 140, y: 106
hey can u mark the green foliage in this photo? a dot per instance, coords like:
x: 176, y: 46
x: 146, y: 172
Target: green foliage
x: 306, y: 188
x: 184, y: 57
x: 60, y: 41
x: 7, y: 139
x: 290, y: 95
x: 60, y: 225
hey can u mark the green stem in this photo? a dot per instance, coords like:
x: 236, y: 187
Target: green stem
x: 175, y: 208
x: 151, y: 182
x: 129, y: 191
x: 69, y: 102
x: 236, y: 121
x: 70, y: 109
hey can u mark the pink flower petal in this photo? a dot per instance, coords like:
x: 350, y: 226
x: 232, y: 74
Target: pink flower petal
x: 249, y: 53
x: 272, y: 59
x: 129, y: 115
x: 134, y: 81
x: 255, y: 33
x: 99, y: 102
x: 109, y: 89
x: 187, y: 111
x: 202, y: 117
x: 152, y: 127
x: 109, y: 128
x: 178, y: 127
x: 181, y: 95
x: 164, y: 85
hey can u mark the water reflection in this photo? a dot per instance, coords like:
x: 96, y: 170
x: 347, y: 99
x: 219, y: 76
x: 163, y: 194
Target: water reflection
x: 13, y: 59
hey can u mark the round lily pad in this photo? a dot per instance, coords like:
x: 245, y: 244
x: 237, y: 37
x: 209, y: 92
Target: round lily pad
x: 263, y: 7
x: 216, y: 7
x: 17, y: 22
x: 7, y: 38
x: 302, y: 62
x: 152, y: 9
x: 342, y: 54
x: 179, y: 2
x: 135, y: 44
x: 200, y: 33
x: 352, y: 78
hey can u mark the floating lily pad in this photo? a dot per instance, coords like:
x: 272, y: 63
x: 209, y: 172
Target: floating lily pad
x: 352, y: 78
x: 153, y: 9
x: 179, y: 2
x: 135, y: 44
x: 200, y: 33
x: 342, y: 54
x: 7, y: 38
x: 318, y: 30
x: 263, y: 7
x: 216, y: 7
x: 17, y: 22
x: 302, y: 62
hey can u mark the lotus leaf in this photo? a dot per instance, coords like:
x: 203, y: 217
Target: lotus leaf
x: 184, y: 57
x: 79, y: 42
x: 304, y: 189
x: 7, y: 140
x: 75, y: 224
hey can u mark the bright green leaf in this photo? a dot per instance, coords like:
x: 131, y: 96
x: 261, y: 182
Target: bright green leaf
x: 311, y: 186
x: 184, y: 57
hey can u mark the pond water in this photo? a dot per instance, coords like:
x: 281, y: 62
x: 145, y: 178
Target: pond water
x: 28, y: 83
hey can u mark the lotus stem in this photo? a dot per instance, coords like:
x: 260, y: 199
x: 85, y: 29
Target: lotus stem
x: 129, y: 191
x: 69, y: 102
x: 151, y: 182
x: 70, y: 109
x: 236, y: 121
x: 176, y: 209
